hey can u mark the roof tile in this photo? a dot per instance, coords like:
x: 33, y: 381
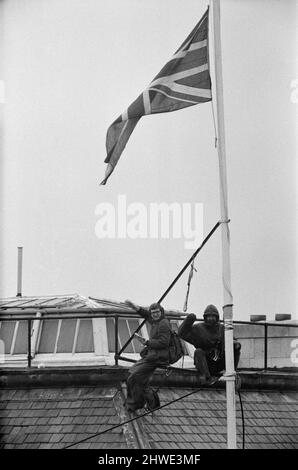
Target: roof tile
x: 199, y: 422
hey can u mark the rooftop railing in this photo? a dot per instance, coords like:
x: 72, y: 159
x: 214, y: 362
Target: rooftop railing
x: 29, y: 314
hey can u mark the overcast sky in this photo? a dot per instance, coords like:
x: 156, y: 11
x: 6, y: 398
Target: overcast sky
x: 70, y: 67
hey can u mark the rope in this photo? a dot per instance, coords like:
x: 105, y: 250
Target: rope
x: 157, y: 409
x: 133, y: 419
x: 190, y: 276
x: 192, y: 269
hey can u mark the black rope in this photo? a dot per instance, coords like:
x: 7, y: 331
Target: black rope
x: 133, y: 419
x: 156, y: 409
x: 175, y: 280
x: 243, y: 421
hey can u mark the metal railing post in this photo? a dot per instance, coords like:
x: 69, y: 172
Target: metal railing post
x: 266, y: 347
x: 29, y: 342
x: 116, y: 341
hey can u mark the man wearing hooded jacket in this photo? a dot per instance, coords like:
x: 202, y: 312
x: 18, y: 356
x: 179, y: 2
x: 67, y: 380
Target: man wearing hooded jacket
x: 208, y: 339
x: 155, y: 354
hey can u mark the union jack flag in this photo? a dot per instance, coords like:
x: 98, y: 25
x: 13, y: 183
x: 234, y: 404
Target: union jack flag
x: 184, y: 81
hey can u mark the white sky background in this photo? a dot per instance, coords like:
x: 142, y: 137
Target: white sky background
x: 70, y: 68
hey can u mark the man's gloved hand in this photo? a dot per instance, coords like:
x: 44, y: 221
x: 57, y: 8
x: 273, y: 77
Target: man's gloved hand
x: 191, y: 317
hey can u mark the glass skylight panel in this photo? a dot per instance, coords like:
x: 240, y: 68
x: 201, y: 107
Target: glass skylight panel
x: 133, y: 325
x: 21, y: 342
x: 6, y: 334
x: 111, y: 334
x: 85, y: 337
x: 125, y: 329
x: 48, y: 336
x: 66, y: 336
x: 124, y: 334
x: 14, y: 334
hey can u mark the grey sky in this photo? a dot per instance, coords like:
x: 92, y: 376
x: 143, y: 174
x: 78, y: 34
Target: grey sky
x: 70, y: 68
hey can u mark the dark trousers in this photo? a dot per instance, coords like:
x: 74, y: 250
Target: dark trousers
x: 137, y: 382
x: 207, y: 366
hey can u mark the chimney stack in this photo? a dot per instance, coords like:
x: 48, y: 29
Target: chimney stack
x: 20, y: 267
x: 256, y: 318
x: 282, y: 316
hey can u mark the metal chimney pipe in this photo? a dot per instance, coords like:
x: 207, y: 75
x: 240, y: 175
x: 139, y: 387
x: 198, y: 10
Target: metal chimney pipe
x: 20, y: 267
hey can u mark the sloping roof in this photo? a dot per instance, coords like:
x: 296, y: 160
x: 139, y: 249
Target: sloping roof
x: 56, y: 417
x: 53, y: 418
x: 45, y: 301
x: 66, y: 301
x: 117, y: 304
x: 199, y: 421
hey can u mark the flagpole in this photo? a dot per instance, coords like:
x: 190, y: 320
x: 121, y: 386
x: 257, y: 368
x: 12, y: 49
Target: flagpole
x: 225, y: 237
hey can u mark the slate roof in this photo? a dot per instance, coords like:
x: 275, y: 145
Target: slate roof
x: 199, y: 421
x: 53, y: 418
x: 56, y: 417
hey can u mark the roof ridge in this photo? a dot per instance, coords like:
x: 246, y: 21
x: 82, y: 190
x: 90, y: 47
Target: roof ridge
x: 26, y: 297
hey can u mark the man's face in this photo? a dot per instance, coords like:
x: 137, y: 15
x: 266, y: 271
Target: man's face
x: 155, y: 314
x: 211, y: 319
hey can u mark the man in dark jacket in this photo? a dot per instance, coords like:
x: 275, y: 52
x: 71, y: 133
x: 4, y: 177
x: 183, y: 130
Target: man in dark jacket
x: 155, y: 354
x: 208, y: 339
